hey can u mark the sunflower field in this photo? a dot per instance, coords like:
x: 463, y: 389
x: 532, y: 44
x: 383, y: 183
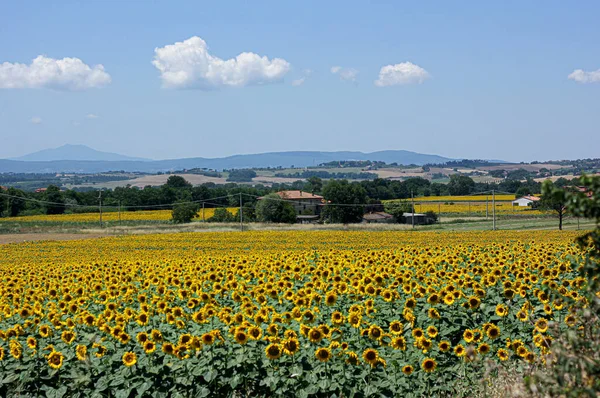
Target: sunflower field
x: 111, y: 216
x: 293, y: 313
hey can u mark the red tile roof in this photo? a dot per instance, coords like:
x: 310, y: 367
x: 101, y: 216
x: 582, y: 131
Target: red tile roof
x: 298, y: 195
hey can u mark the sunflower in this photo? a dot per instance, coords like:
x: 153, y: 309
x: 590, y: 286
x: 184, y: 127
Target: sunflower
x: 503, y: 355
x: 522, y: 351
x: 428, y: 365
x: 291, y: 346
x: 375, y: 332
x: 352, y: 358
x: 273, y: 351
x: 168, y: 348
x: 315, y: 335
x: 45, y: 331
x: 474, y: 302
x: 459, y: 350
x: 468, y: 335
x: 399, y: 343
x: 330, y: 298
x: 541, y: 325
x: 408, y: 369
x: 522, y: 316
x: 149, y: 347
x: 142, y: 337
x: 100, y: 350
x: 68, y: 336
x: 156, y: 335
x: 493, y: 332
x: 433, y: 313
x: 570, y: 320
x: 432, y: 331
x: 337, y: 318
x: 1, y: 353
x: 396, y: 327
x: 31, y: 343
x: 529, y: 357
x: 185, y: 339
x: 81, y: 352
x: 483, y: 348
x: 323, y: 354
x: 255, y: 332
x: 55, y: 359
x: 444, y: 346
x: 449, y: 299
x: 370, y: 356
x: 208, y: 338
x: 16, y: 350
x: 501, y: 310
x: 433, y: 299
x: 129, y: 358
x: 418, y: 333
x: 241, y: 337
x: 354, y: 319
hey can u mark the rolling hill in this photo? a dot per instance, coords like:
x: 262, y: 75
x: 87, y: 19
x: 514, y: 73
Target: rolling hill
x: 48, y: 161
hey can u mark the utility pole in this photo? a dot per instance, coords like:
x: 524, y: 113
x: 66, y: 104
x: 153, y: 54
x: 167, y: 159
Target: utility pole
x: 119, y: 213
x: 487, y: 198
x: 241, y: 215
x: 100, y: 206
x: 494, y: 210
x: 412, y: 197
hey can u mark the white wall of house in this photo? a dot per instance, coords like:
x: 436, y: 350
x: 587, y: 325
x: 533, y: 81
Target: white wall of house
x: 522, y: 202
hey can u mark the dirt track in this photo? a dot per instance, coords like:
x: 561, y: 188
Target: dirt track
x: 17, y: 238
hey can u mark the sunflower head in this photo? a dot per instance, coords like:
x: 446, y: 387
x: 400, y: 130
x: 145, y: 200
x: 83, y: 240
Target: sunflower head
x: 273, y: 351
x: 323, y: 354
x: 129, y: 358
x: 370, y: 356
x: 428, y: 365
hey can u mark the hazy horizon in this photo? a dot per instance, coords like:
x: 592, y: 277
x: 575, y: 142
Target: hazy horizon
x: 513, y: 81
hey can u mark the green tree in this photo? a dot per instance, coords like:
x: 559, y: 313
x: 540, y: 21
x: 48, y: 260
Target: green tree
x: 184, y: 212
x: 460, y: 185
x: 15, y: 203
x: 344, y: 202
x: 555, y: 200
x: 576, y: 358
x: 272, y: 209
x: 222, y: 215
x: 175, y: 181
x: 313, y: 185
x: 56, y: 201
x: 398, y: 208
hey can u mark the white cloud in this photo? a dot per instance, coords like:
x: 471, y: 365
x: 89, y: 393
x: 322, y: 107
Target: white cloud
x: 188, y: 64
x: 298, y: 82
x: 60, y: 74
x: 347, y: 74
x: 36, y: 120
x: 91, y: 116
x: 582, y: 76
x: 403, y: 73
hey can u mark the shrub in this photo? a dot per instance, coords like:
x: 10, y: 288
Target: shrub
x: 184, y: 212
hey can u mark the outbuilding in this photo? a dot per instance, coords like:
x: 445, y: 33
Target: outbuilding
x: 525, y: 201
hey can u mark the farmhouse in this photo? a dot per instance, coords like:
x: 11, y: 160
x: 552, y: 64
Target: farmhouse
x: 378, y: 217
x: 305, y: 203
x: 420, y: 219
x: 525, y: 201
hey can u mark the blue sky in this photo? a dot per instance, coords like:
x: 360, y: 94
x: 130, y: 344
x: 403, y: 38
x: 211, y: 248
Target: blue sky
x: 466, y: 79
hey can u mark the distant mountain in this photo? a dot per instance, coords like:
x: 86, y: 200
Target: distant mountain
x: 272, y: 159
x: 74, y: 152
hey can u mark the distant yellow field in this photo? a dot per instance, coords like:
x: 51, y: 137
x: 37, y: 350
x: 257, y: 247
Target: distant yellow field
x: 465, y: 198
x: 146, y: 215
